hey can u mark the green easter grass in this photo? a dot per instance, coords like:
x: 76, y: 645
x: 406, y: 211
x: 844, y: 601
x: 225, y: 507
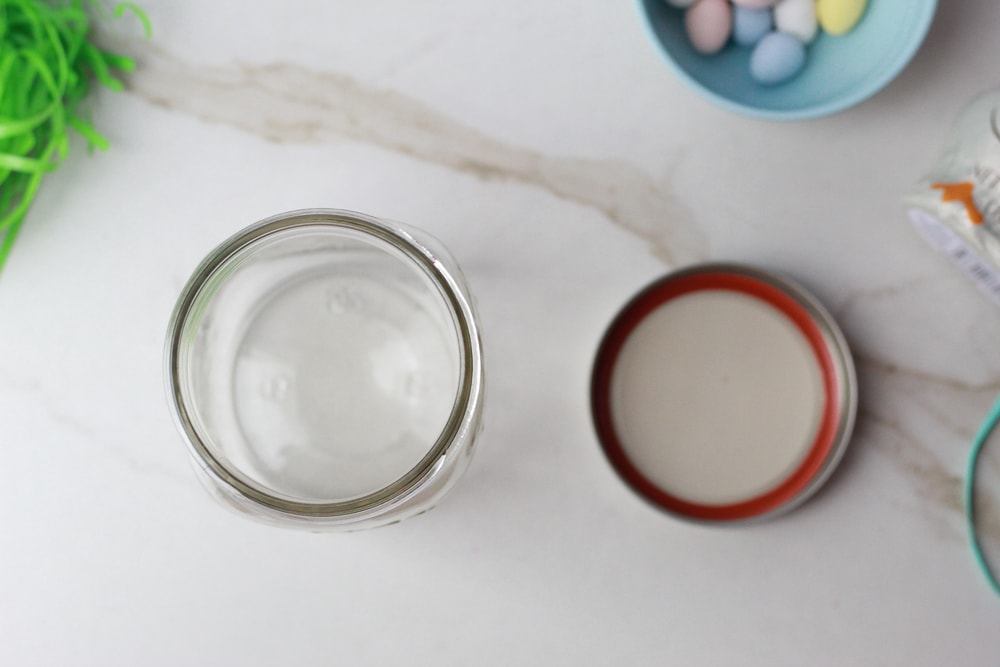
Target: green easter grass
x: 47, y: 64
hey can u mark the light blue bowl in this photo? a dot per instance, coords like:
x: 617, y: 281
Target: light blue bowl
x: 839, y: 73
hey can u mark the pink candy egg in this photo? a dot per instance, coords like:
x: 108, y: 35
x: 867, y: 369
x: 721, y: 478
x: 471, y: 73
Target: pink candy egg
x: 708, y: 24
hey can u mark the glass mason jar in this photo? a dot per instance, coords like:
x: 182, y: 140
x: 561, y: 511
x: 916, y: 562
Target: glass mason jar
x: 325, y: 370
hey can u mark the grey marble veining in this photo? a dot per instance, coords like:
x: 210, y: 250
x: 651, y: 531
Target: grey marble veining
x: 284, y: 102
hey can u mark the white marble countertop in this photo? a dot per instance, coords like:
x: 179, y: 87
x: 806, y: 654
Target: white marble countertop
x: 547, y: 145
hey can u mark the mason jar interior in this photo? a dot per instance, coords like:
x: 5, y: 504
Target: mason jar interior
x: 320, y: 363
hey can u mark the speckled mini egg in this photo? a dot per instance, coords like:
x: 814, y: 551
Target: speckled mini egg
x: 838, y: 17
x: 797, y: 18
x: 708, y: 24
x: 750, y: 25
x: 777, y: 58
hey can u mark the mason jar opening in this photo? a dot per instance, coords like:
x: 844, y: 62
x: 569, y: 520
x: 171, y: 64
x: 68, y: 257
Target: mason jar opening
x: 319, y: 363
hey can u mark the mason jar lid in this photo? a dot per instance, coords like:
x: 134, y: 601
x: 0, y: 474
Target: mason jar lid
x: 723, y: 393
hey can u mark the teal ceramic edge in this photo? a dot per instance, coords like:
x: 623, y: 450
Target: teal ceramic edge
x: 902, y: 58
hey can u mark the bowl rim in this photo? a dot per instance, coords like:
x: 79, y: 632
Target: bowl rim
x: 903, y: 58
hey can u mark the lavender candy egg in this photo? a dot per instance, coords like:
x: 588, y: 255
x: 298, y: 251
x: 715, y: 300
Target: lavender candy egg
x: 750, y: 25
x: 708, y: 24
x: 777, y: 58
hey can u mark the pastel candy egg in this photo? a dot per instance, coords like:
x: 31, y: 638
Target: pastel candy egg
x: 754, y: 4
x: 839, y: 16
x: 708, y: 24
x: 680, y: 4
x: 797, y: 18
x: 750, y: 25
x: 777, y: 58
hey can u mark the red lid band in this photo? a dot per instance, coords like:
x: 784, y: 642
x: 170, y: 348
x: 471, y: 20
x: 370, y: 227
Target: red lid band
x: 651, y: 299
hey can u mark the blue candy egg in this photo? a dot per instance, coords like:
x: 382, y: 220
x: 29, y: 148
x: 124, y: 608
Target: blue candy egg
x: 777, y: 58
x: 750, y: 25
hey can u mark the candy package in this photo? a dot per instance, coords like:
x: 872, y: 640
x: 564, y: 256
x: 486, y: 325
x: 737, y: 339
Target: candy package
x: 956, y: 206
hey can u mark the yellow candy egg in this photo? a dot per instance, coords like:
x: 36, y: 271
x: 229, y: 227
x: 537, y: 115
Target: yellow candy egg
x: 839, y: 16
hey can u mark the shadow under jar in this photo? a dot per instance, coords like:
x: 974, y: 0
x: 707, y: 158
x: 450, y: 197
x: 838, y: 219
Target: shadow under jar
x: 325, y: 369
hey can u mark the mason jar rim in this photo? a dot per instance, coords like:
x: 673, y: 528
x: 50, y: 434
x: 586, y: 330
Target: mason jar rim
x: 463, y: 411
